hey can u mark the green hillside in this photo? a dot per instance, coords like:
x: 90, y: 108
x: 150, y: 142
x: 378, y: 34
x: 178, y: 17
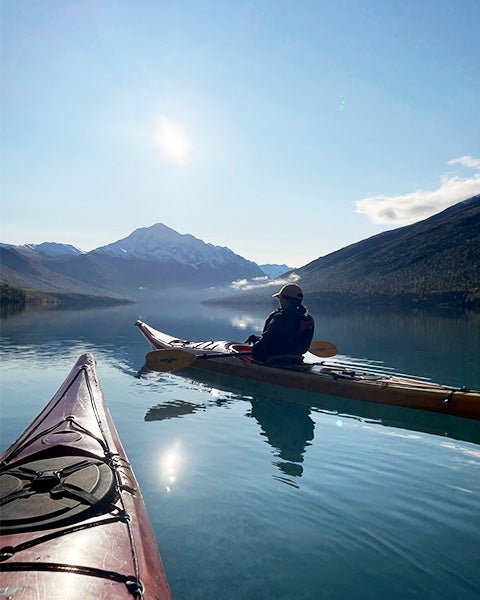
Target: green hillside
x: 433, y: 261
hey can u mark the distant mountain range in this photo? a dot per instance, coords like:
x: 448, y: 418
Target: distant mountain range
x: 274, y: 271
x: 435, y: 261
x: 54, y: 250
x: 151, y: 259
x: 432, y: 262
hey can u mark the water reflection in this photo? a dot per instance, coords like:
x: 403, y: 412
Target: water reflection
x: 288, y: 429
x: 285, y: 417
x: 169, y: 466
x: 172, y: 410
x: 9, y: 310
x: 247, y: 323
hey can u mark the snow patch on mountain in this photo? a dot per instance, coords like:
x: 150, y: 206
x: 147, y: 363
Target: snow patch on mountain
x: 49, y: 249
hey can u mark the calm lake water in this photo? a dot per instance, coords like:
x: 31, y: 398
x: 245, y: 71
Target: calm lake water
x: 256, y: 492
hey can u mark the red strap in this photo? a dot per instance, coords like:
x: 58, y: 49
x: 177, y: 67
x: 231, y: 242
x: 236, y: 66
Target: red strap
x: 241, y: 348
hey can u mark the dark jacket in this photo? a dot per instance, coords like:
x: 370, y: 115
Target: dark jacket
x: 286, y: 331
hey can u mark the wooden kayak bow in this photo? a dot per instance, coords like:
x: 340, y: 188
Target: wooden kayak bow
x: 176, y: 359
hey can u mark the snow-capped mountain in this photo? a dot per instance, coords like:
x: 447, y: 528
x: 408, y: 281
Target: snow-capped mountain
x: 160, y: 243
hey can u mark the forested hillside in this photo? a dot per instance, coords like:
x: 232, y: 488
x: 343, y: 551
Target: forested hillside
x: 432, y: 262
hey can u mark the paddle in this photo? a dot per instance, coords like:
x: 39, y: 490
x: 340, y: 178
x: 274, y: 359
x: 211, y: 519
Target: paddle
x: 323, y: 349
x: 170, y: 360
x: 176, y: 359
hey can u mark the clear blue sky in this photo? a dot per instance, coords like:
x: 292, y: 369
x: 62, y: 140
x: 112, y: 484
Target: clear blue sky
x: 282, y: 129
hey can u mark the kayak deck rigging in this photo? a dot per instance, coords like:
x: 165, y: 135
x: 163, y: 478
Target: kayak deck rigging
x: 68, y: 490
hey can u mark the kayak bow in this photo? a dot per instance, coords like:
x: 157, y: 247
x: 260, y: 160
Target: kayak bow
x: 74, y: 524
x: 335, y: 380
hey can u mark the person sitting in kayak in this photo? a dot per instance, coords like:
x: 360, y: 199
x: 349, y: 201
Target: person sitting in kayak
x: 287, y: 330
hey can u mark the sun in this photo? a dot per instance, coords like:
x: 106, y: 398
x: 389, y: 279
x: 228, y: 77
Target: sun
x: 173, y: 141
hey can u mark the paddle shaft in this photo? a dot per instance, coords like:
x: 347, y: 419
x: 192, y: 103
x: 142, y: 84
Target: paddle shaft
x: 174, y: 359
x: 320, y: 348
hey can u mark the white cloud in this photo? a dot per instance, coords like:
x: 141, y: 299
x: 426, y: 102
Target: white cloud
x: 408, y: 208
x: 466, y: 161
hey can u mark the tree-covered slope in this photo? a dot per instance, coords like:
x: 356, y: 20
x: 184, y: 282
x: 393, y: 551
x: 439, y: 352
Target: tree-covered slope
x: 433, y: 259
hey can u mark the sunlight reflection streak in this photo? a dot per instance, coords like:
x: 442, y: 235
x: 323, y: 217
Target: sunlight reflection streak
x: 169, y: 466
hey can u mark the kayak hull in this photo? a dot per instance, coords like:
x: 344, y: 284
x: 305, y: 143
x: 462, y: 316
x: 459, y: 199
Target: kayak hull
x: 74, y: 524
x: 379, y: 388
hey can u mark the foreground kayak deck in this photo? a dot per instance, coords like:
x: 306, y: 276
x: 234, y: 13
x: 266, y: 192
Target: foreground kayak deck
x: 74, y: 524
x: 324, y: 379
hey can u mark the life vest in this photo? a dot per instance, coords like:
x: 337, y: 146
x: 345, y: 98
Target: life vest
x: 285, y: 332
x: 304, y: 333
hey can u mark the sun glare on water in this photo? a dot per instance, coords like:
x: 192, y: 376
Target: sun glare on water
x: 173, y: 141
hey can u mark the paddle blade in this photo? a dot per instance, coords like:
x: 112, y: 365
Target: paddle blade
x: 169, y: 360
x: 323, y: 349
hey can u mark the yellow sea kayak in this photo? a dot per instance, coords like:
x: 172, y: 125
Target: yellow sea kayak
x: 232, y: 358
